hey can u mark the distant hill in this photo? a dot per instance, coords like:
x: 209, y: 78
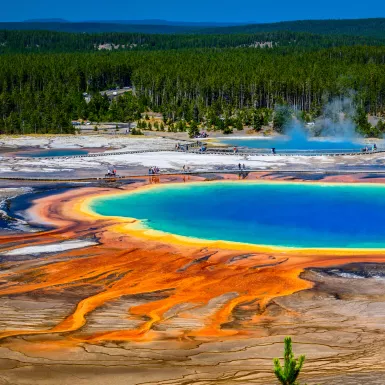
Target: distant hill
x: 166, y: 22
x: 58, y: 20
x: 97, y: 27
x: 355, y: 27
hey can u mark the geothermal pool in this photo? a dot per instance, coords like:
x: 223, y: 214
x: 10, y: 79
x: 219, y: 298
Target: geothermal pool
x: 301, y: 144
x: 264, y: 213
x: 53, y: 153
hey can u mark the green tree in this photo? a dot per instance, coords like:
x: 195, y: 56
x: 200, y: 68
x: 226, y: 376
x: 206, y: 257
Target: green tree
x: 193, y: 129
x: 288, y: 374
x: 181, y: 126
x: 239, y: 125
x: 282, y: 117
x: 363, y: 125
x: 195, y: 113
x: 257, y: 121
x: 227, y: 130
x: 136, y: 131
x: 381, y: 127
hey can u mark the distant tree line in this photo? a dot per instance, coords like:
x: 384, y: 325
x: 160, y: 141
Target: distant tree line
x: 51, y: 41
x: 374, y: 27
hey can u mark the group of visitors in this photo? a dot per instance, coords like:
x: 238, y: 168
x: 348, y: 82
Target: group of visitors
x: 153, y: 170
x: 111, y: 172
x: 241, y: 166
x: 186, y: 168
x: 367, y: 148
x: 202, y: 134
x: 180, y: 147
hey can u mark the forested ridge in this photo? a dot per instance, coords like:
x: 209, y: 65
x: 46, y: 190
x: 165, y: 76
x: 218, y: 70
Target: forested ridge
x: 97, y: 27
x: 49, y: 41
x: 218, y: 87
x: 374, y: 27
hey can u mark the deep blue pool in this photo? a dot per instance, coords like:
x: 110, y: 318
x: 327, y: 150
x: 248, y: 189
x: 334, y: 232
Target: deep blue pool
x: 280, y: 214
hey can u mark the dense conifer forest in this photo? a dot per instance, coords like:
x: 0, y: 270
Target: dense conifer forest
x: 49, y: 41
x: 219, y: 81
x: 354, y: 27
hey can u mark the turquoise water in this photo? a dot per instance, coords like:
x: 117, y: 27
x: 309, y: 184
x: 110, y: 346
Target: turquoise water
x: 302, y: 144
x: 54, y: 152
x: 280, y: 214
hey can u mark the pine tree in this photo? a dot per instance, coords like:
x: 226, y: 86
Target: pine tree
x: 282, y: 117
x: 363, y: 125
x: 257, y: 121
x: 227, y: 130
x: 288, y: 374
x: 193, y: 129
x: 381, y: 127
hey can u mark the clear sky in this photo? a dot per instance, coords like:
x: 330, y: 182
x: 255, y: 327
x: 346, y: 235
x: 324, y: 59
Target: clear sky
x: 196, y: 10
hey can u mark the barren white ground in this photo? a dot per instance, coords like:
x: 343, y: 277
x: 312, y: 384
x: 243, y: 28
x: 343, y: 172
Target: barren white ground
x: 166, y: 160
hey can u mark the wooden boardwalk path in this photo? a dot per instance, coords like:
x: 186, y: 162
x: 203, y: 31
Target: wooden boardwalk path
x: 206, y: 172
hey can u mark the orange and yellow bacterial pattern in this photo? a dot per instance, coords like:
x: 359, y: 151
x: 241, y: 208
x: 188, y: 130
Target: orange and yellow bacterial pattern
x: 165, y: 279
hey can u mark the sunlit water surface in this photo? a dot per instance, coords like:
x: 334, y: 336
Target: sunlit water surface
x: 280, y: 214
x: 296, y: 144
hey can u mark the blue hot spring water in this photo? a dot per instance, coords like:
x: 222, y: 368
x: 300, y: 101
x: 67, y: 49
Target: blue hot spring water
x: 298, y: 139
x: 53, y: 152
x: 290, y: 145
x: 279, y: 214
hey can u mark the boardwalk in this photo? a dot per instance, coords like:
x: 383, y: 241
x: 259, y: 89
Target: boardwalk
x: 208, y: 172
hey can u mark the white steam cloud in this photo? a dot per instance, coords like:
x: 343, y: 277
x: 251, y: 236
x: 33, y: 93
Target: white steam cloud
x: 336, y: 123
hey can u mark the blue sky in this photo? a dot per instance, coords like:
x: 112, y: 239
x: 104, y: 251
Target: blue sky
x: 196, y: 10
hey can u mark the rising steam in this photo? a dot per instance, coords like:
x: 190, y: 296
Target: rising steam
x: 336, y: 123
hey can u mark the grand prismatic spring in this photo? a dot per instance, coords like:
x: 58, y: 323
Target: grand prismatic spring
x: 180, y: 280
x: 262, y: 213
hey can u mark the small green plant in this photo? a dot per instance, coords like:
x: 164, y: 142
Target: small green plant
x: 288, y: 374
x: 193, y: 130
x: 136, y: 131
x: 227, y: 130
